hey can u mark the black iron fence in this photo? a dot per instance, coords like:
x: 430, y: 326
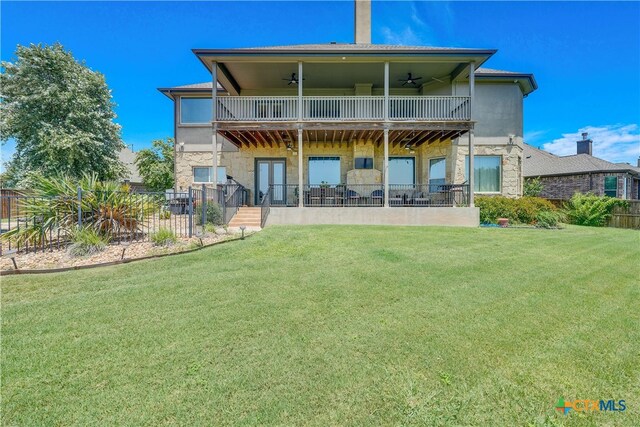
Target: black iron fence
x: 368, y: 195
x: 33, y: 223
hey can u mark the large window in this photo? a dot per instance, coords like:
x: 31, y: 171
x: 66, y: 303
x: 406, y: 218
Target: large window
x: 487, y: 173
x: 203, y: 174
x: 195, y: 110
x: 402, y: 170
x: 324, y: 170
x: 437, y: 169
x: 611, y: 186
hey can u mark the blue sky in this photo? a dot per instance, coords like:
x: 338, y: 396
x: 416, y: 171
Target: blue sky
x: 585, y: 55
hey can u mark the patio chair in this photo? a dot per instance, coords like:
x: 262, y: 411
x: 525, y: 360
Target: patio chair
x: 377, y: 197
x: 329, y: 196
x: 396, y: 198
x: 315, y: 196
x: 351, y: 198
x: 420, y: 198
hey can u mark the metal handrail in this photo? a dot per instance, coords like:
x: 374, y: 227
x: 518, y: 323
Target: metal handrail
x: 265, y: 207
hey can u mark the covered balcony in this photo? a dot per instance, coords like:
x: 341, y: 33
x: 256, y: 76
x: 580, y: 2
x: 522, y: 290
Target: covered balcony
x: 343, y: 109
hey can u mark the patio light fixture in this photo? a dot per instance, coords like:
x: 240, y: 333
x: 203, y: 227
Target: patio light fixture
x: 125, y: 245
x: 11, y: 254
x: 242, y: 228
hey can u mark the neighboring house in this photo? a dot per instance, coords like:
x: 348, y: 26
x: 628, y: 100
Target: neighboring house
x: 128, y: 158
x: 562, y: 176
x: 318, y: 125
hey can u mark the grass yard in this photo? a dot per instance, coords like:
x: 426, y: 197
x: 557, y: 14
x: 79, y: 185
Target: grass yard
x: 334, y: 326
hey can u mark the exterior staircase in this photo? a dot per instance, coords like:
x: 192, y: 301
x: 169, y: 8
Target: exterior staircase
x: 247, y: 216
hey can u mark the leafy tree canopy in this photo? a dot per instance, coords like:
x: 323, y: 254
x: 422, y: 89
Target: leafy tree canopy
x: 60, y: 114
x: 155, y: 165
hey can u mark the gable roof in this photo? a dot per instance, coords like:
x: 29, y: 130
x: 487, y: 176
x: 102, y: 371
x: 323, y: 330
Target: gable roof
x: 542, y: 163
x: 204, y: 88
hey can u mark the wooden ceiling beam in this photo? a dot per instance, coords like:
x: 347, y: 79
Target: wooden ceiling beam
x: 231, y: 137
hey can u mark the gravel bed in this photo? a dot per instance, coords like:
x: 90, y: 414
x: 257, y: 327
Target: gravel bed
x: 113, y: 252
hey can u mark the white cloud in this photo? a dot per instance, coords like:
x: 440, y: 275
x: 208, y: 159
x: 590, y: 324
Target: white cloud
x: 533, y: 136
x: 615, y: 143
x: 406, y: 37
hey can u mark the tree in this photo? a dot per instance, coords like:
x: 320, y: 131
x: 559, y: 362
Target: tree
x: 533, y: 187
x: 60, y: 114
x: 155, y: 165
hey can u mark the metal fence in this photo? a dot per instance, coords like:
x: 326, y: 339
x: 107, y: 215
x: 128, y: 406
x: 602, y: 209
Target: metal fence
x: 368, y: 195
x: 38, y: 223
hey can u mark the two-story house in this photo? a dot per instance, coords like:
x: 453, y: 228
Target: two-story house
x: 354, y: 133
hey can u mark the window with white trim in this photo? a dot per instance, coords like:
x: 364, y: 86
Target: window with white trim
x: 195, y: 110
x: 487, y: 175
x: 202, y: 174
x: 611, y: 186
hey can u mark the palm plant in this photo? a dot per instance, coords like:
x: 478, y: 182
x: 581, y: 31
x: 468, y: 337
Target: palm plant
x: 54, y: 207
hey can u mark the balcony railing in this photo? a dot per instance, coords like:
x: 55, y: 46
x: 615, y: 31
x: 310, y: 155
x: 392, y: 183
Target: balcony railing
x: 367, y: 195
x: 343, y: 108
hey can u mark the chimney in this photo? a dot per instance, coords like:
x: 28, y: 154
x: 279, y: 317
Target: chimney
x: 586, y: 145
x: 363, y: 21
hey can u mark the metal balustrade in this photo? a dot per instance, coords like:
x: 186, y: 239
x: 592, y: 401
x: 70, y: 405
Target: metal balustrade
x: 367, y: 195
x: 343, y: 108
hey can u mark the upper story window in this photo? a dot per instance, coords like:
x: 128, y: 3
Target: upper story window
x: 195, y: 110
x: 487, y: 177
x: 611, y: 186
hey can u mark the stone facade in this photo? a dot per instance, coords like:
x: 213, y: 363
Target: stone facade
x: 512, y: 178
x: 565, y: 186
x: 240, y: 164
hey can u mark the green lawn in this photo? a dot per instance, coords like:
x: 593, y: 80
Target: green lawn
x: 334, y: 326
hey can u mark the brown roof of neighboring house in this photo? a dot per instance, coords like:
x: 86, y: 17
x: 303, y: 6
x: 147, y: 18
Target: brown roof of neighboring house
x: 538, y: 162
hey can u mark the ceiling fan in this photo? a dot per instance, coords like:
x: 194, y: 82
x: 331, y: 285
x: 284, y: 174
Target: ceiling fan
x: 292, y: 80
x: 409, y: 80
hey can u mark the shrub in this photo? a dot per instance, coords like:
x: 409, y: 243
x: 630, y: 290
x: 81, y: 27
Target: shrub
x: 86, y: 241
x: 492, y: 208
x: 165, y: 214
x: 524, y: 210
x: 532, y: 187
x: 548, y: 219
x: 589, y: 209
x: 52, y: 206
x: 527, y: 209
x: 163, y: 237
x: 213, y: 214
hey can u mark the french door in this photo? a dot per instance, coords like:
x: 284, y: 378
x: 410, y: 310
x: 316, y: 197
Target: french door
x: 271, y: 172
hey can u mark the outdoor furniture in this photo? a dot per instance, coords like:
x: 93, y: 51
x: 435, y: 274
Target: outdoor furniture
x: 420, y: 198
x: 396, y: 198
x: 329, y: 196
x: 315, y: 196
x: 377, y: 196
x: 352, y: 198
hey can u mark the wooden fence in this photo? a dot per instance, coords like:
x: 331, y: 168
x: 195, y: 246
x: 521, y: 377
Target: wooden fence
x: 621, y: 217
x: 7, y: 208
x: 628, y: 217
